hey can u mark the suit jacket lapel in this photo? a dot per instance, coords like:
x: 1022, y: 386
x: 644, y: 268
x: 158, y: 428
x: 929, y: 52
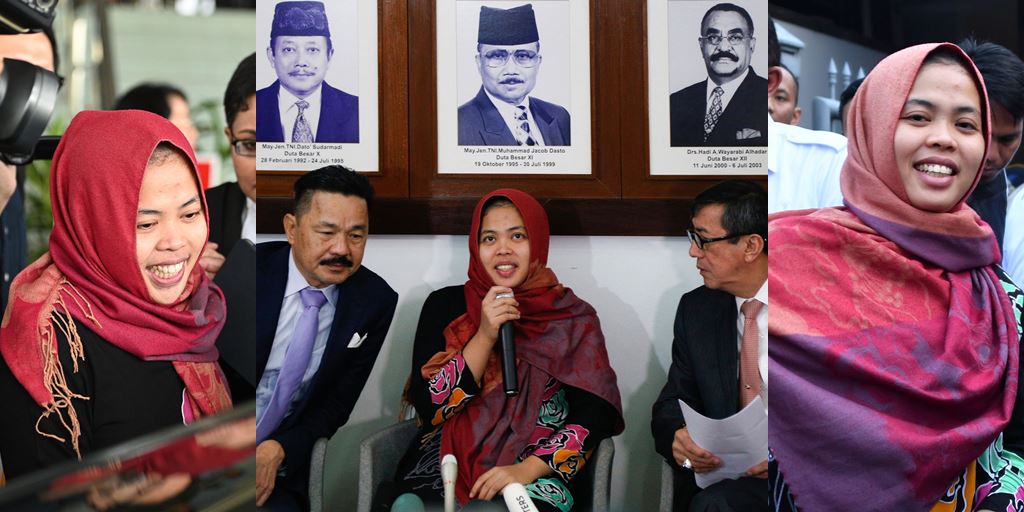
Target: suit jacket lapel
x: 547, y: 124
x: 495, y: 131
x: 728, y: 355
x: 274, y: 267
x: 273, y: 117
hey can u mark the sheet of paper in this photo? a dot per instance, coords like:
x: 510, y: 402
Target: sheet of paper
x: 741, y: 440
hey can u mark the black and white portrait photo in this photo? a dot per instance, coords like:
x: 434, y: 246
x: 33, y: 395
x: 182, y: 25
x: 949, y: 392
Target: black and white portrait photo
x: 706, y: 102
x: 727, y: 107
x: 301, y: 106
x: 513, y: 86
x: 316, y: 78
x: 504, y: 112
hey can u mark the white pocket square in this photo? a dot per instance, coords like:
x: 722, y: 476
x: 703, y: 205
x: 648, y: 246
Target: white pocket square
x: 747, y: 133
x: 357, y: 340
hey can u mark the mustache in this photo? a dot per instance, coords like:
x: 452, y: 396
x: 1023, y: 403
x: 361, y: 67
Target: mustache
x: 724, y: 55
x: 511, y: 80
x: 339, y: 260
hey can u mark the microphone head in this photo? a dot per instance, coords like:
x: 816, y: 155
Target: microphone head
x: 449, y: 468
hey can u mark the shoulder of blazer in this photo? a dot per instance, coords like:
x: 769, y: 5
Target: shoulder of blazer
x: 549, y: 110
x: 705, y: 301
x: 370, y: 286
x: 272, y: 257
x: 334, y: 96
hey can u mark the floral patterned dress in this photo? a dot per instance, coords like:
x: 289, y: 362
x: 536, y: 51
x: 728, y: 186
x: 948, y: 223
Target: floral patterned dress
x: 571, y: 423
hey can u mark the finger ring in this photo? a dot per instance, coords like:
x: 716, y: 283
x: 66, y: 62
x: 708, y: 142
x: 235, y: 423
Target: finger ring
x: 687, y: 464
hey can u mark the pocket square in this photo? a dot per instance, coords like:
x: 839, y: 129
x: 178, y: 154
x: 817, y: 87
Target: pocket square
x: 748, y: 133
x: 357, y: 340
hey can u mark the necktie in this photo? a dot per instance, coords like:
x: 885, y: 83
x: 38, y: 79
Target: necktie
x: 711, y: 119
x: 750, y: 375
x: 524, y: 125
x: 302, y: 132
x: 296, y: 360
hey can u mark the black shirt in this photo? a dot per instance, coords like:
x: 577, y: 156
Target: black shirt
x: 127, y: 398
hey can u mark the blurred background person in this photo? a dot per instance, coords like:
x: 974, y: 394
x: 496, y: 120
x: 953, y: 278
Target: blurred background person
x: 164, y: 100
x: 783, y: 104
x: 39, y: 49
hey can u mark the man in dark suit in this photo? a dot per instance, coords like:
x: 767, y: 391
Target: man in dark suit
x: 300, y: 106
x: 232, y: 204
x: 726, y: 109
x: 320, y: 323
x: 503, y: 113
x: 719, y: 353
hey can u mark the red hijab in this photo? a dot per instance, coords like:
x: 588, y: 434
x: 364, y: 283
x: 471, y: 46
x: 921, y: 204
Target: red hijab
x: 558, y: 335
x: 91, y: 272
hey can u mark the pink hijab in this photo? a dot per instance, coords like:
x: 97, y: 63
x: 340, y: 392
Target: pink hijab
x: 893, y: 347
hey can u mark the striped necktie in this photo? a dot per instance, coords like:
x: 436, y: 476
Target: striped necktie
x: 750, y: 374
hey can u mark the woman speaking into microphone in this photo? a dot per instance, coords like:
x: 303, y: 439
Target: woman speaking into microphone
x: 567, y: 400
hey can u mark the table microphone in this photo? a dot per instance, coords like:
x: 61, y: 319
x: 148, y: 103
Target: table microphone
x: 516, y: 498
x: 506, y: 337
x: 449, y: 470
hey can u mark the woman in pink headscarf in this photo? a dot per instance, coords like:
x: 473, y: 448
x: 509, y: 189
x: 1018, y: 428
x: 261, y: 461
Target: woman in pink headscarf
x: 894, y: 338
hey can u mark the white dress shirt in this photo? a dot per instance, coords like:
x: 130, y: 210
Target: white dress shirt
x: 762, y: 327
x: 803, y: 167
x: 291, y: 309
x: 728, y: 90
x: 510, y: 114
x: 249, y: 220
x: 1013, y: 237
x: 290, y: 112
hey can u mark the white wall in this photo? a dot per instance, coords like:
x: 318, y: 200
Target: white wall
x: 634, y: 283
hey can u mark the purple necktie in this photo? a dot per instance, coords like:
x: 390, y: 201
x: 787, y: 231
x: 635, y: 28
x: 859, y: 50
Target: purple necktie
x: 296, y: 361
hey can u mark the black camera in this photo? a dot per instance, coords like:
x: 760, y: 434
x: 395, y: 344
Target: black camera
x: 28, y: 93
x: 20, y: 16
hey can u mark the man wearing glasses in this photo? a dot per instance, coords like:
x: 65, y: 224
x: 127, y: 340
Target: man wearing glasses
x: 232, y: 207
x: 719, y: 349
x: 726, y: 109
x: 503, y: 113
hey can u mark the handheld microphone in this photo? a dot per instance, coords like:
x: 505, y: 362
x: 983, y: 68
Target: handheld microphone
x: 506, y: 336
x: 449, y: 470
x: 516, y: 498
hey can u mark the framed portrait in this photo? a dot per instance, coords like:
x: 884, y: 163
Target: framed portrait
x: 521, y: 97
x: 317, y: 85
x: 707, y: 72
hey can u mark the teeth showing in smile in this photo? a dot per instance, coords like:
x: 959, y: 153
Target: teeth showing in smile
x: 166, y: 271
x: 935, y: 169
x: 504, y: 268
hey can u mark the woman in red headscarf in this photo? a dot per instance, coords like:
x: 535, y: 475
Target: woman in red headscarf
x: 894, y: 336
x: 110, y: 335
x: 568, y: 400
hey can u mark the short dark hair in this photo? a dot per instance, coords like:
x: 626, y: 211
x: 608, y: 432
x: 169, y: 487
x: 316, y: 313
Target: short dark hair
x: 151, y: 98
x: 333, y: 178
x: 273, y: 42
x: 847, y: 96
x: 730, y: 8
x: 745, y: 207
x: 774, y: 52
x: 1003, y: 72
x: 241, y: 87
